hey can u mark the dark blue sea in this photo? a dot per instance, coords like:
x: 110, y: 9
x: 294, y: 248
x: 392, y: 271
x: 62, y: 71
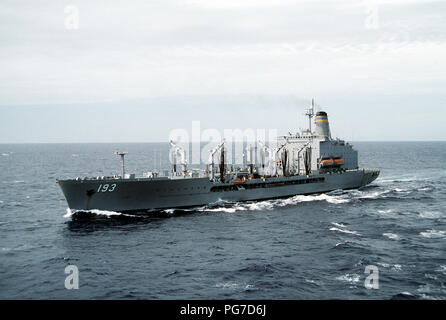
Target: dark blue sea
x: 306, y: 247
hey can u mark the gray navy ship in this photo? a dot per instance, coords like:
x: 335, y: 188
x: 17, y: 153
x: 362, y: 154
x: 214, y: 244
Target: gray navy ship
x: 308, y: 162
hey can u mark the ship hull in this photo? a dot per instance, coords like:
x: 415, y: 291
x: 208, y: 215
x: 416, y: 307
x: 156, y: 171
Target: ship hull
x: 141, y: 195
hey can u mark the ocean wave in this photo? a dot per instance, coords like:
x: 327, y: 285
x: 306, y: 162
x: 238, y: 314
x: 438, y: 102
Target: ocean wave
x: 433, y: 234
x: 264, y: 205
x: 322, y: 197
x: 387, y: 211
x: 392, y: 236
x: 345, y: 231
x: 269, y: 204
x: 234, y: 285
x: 222, y: 209
x: 14, y: 204
x: 404, y: 296
x: 315, y: 282
x: 340, y: 225
x: 395, y: 180
x: 71, y: 213
x: 430, y: 276
x: 374, y: 195
x: 351, y: 278
x: 394, y: 267
x: 169, y: 211
x: 441, y: 269
x: 425, y: 288
x: 431, y: 214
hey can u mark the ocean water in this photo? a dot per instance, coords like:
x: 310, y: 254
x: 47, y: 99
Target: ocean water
x: 305, y: 247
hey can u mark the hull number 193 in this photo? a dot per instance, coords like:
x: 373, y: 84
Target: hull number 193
x: 107, y: 187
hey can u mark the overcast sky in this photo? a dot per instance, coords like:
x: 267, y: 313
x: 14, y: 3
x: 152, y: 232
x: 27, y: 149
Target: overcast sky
x: 134, y: 70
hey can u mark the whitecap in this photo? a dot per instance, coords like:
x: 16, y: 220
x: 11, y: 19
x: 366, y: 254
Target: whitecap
x: 222, y: 209
x: 340, y: 225
x: 351, y: 278
x: 337, y: 200
x: 315, y: 282
x: 430, y: 276
x: 265, y: 205
x: 385, y: 211
x: 430, y: 214
x: 345, y: 231
x: 442, y: 269
x: 433, y: 234
x: 228, y: 285
x: 321, y: 197
x: 392, y: 236
x: 396, y: 267
x: 5, y: 154
x: 374, y: 195
x: 426, y: 288
x: 96, y: 212
x: 271, y: 204
x: 310, y: 281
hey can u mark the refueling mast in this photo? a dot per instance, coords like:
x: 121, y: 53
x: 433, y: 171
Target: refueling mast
x: 175, y: 151
x: 211, y: 164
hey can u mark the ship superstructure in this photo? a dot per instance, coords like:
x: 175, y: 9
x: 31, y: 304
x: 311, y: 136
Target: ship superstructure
x: 307, y: 162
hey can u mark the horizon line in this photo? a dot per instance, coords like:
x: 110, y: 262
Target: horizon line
x: 136, y: 142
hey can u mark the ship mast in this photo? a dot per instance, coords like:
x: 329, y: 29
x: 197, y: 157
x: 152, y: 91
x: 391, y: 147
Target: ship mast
x: 122, y: 154
x: 310, y: 114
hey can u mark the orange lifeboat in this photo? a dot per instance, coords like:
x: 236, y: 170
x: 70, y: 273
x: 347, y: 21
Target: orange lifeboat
x: 332, y: 162
x: 327, y: 162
